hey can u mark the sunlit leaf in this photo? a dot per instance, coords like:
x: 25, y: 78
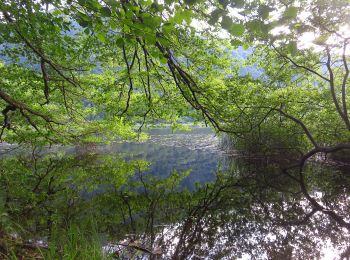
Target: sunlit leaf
x: 237, y: 29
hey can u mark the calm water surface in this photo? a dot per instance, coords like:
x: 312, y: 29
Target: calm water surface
x: 177, y: 196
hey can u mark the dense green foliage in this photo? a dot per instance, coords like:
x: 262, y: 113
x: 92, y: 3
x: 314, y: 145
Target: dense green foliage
x: 73, y: 69
x: 271, y: 76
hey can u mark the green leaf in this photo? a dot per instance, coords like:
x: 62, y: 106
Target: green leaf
x: 105, y: 12
x: 101, y: 37
x: 150, y: 38
x: 146, y: 2
x: 190, y: 2
x: 224, y: 3
x: 155, y: 54
x: 236, y: 43
x: 95, y: 5
x: 83, y: 23
x: 113, y: 3
x: 120, y: 42
x: 151, y: 21
x: 164, y: 42
x: 113, y: 24
x: 237, y: 3
x: 215, y: 15
x: 82, y: 2
x: 163, y: 60
x: 291, y: 12
x: 237, y: 29
x: 292, y: 48
x: 254, y: 26
x: 126, y: 28
x: 136, y: 8
x: 226, y: 23
x: 183, y: 15
x: 187, y: 14
x: 83, y: 19
x: 321, y: 40
x: 264, y: 11
x: 139, y: 29
x: 167, y: 28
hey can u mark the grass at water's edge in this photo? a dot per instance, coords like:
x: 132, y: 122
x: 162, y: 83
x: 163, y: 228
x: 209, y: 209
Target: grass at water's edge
x: 75, y: 242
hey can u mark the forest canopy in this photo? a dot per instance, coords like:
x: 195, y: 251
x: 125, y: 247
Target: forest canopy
x: 94, y: 71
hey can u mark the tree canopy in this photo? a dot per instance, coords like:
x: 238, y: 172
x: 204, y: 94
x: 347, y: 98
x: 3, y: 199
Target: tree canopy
x: 92, y: 71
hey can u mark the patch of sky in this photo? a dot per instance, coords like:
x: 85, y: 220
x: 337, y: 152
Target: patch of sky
x: 242, y: 53
x: 6, y: 54
x: 251, y: 70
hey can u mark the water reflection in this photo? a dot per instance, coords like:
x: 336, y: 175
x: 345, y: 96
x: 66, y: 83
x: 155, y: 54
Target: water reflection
x: 119, y: 201
x: 181, y: 151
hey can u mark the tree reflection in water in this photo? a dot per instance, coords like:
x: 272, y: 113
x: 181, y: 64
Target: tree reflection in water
x: 252, y: 209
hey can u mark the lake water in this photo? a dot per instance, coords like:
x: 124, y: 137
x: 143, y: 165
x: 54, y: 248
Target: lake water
x: 176, y: 196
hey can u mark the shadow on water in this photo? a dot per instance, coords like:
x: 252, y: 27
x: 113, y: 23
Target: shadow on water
x: 175, y: 196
